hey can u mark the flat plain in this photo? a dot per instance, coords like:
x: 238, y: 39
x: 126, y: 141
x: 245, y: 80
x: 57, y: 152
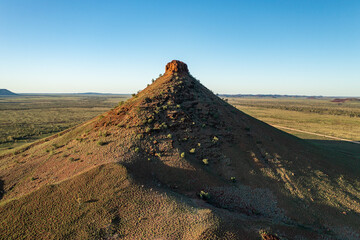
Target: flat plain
x: 26, y: 118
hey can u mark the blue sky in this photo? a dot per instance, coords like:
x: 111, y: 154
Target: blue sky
x: 309, y: 47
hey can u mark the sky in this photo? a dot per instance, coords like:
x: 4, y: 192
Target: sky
x: 299, y: 47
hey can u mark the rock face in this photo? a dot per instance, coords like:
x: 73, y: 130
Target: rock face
x: 176, y: 66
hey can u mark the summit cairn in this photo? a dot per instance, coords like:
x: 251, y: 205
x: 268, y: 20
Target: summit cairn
x: 176, y: 66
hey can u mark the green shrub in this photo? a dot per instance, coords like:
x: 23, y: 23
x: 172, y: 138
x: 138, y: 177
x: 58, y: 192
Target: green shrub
x: 169, y: 136
x: 101, y: 143
x: 205, y: 161
x: 182, y: 155
x: 215, y: 139
x: 204, y: 195
x: 233, y: 179
x: 192, y: 150
x: 136, y: 149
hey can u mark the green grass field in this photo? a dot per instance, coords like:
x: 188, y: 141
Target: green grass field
x: 24, y: 119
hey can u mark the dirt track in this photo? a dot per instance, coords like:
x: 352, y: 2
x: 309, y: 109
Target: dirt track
x: 317, y: 134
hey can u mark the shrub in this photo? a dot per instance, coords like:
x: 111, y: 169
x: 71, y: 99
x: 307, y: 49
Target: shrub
x: 205, y: 161
x: 215, y: 139
x: 163, y: 125
x: 192, y: 150
x: 182, y: 155
x: 101, y: 143
x: 136, y: 149
x: 204, y: 195
x: 233, y: 179
x: 169, y: 136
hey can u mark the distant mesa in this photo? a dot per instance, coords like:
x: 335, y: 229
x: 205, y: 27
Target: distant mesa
x: 176, y: 66
x: 5, y: 92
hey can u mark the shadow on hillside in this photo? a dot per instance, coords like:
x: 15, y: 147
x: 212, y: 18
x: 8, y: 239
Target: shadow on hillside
x: 1, y: 189
x: 342, y: 153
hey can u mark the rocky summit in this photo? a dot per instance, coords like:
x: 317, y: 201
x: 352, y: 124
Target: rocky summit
x: 176, y: 66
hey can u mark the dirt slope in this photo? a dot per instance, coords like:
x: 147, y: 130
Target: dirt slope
x: 214, y: 172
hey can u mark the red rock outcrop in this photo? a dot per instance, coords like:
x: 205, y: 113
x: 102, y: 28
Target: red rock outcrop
x: 176, y: 66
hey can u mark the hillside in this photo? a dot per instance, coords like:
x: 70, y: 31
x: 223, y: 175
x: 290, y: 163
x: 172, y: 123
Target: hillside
x: 5, y: 92
x: 176, y: 162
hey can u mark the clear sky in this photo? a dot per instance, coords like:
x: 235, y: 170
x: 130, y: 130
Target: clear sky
x: 309, y: 47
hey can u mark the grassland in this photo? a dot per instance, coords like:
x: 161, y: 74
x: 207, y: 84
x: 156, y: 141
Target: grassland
x: 321, y: 116
x: 24, y: 119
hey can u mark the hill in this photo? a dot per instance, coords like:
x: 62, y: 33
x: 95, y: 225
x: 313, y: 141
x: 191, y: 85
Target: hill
x: 5, y: 92
x: 176, y: 162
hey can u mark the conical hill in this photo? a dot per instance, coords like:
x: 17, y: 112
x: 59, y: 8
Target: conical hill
x: 182, y: 164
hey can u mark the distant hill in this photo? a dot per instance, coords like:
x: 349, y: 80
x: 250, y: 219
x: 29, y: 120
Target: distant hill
x: 6, y: 92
